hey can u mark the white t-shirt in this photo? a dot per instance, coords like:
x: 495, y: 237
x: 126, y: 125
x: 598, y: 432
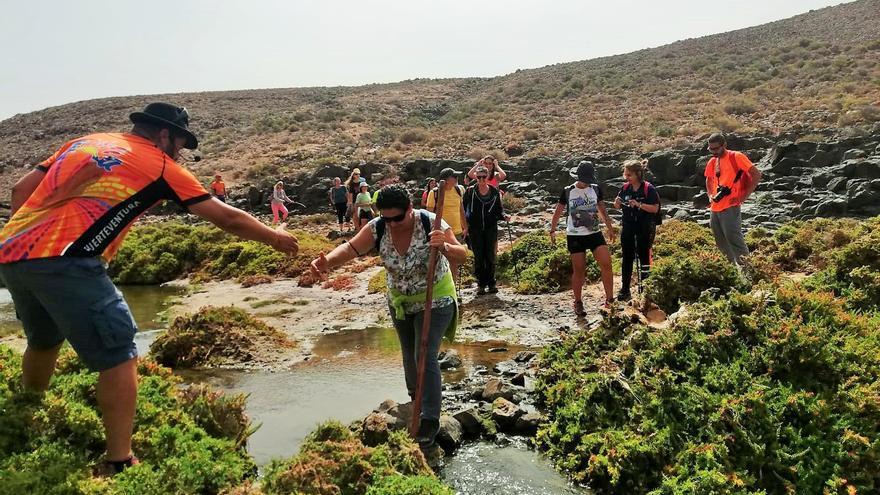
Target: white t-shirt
x: 583, y: 209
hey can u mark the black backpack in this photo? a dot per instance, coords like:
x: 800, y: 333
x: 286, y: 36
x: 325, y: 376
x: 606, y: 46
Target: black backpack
x: 380, y: 228
x: 657, y: 217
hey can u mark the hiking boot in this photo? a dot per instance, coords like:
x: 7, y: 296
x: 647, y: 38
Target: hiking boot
x: 111, y: 468
x: 492, y: 289
x: 481, y: 290
x: 624, y: 296
x: 579, y: 308
x: 428, y: 429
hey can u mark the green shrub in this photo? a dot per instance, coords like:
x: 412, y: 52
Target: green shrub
x: 534, y: 266
x: 57, y: 439
x: 854, y: 272
x: 775, y: 392
x: 332, y: 460
x: 682, y: 278
x: 677, y: 238
x: 412, y: 485
x: 216, y: 336
x: 163, y: 251
x: 378, y: 283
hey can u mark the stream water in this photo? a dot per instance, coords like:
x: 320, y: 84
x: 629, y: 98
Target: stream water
x: 349, y: 373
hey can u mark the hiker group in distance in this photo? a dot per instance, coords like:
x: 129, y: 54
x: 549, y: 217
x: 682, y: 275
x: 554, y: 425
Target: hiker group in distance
x: 72, y: 211
x: 472, y: 212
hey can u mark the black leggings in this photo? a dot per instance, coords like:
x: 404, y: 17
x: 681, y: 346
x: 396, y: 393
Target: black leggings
x: 636, y: 237
x: 484, y: 245
x: 340, y: 212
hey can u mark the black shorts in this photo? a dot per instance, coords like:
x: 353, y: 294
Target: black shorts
x: 365, y: 215
x: 584, y: 243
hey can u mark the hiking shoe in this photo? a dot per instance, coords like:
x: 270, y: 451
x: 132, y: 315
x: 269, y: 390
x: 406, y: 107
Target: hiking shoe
x: 607, y: 305
x: 624, y: 296
x: 579, y: 308
x: 111, y: 468
x: 492, y: 289
x: 481, y: 290
x: 428, y: 429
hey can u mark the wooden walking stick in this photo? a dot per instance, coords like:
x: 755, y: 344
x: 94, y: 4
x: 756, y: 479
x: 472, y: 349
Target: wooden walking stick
x: 426, y: 320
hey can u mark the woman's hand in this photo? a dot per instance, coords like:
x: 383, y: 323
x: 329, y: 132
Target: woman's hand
x: 634, y: 204
x: 617, y: 203
x: 437, y: 239
x: 319, y: 266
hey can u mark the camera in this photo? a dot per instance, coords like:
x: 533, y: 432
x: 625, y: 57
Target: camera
x: 722, y: 192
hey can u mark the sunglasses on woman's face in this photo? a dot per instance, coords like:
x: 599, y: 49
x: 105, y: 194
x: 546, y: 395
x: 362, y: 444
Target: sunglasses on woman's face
x: 482, y: 177
x: 395, y: 218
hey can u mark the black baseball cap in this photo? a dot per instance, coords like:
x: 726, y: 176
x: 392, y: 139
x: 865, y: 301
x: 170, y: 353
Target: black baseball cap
x: 447, y: 173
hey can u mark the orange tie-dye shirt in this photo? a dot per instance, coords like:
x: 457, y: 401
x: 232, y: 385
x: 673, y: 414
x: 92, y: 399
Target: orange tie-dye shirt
x: 94, y: 188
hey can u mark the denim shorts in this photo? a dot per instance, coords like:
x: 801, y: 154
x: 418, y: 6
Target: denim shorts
x: 72, y: 299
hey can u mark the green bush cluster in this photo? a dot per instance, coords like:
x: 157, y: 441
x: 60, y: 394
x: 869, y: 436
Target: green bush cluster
x: 215, y: 336
x: 686, y: 263
x: 534, y: 266
x: 853, y: 271
x: 159, y: 252
x: 50, y: 444
x: 774, y: 392
x: 804, y: 246
x: 333, y: 461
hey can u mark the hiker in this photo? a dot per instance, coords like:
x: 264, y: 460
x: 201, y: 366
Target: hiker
x: 585, y: 206
x: 730, y: 179
x: 338, y: 196
x: 363, y: 203
x: 640, y: 203
x: 352, y: 187
x: 403, y: 237
x: 453, y: 209
x: 483, y: 209
x: 279, y: 197
x: 69, y: 217
x: 219, y: 188
x: 429, y: 186
x: 496, y: 174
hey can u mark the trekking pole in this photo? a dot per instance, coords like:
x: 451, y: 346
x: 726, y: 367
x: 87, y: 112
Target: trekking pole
x: 509, y: 234
x: 426, y: 321
x: 638, y: 262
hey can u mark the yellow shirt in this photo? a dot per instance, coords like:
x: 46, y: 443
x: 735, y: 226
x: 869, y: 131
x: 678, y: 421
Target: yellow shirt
x: 451, y: 208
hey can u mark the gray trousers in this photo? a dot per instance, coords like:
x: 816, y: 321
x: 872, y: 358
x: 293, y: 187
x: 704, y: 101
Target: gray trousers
x: 409, y: 331
x: 727, y: 229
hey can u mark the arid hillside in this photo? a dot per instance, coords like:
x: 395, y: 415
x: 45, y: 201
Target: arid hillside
x: 816, y: 71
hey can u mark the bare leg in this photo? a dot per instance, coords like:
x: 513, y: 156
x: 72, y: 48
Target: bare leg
x: 603, y: 258
x: 117, y: 398
x: 578, y: 265
x: 37, y: 367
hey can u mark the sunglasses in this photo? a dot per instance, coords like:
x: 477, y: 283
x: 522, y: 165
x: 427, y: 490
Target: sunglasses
x: 481, y: 177
x: 395, y: 218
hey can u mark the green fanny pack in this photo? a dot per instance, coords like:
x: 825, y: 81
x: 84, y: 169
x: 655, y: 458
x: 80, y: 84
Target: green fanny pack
x: 445, y: 287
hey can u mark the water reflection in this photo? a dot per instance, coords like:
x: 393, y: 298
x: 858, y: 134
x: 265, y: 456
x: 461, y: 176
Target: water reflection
x: 350, y: 373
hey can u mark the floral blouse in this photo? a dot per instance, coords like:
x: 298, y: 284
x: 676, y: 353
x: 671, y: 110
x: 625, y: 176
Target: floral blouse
x: 407, y: 273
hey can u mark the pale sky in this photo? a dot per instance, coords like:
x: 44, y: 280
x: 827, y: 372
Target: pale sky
x: 56, y: 52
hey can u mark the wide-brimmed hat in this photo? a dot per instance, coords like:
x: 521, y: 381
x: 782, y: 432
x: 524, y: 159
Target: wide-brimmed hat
x: 170, y: 116
x: 584, y: 172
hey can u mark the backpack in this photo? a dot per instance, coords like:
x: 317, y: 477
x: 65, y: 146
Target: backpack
x: 740, y: 176
x: 380, y: 228
x: 458, y: 188
x: 656, y: 217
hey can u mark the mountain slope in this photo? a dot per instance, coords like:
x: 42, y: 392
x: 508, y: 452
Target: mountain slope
x: 817, y: 70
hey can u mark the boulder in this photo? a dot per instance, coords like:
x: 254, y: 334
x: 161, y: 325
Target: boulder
x: 860, y: 194
x: 682, y: 215
x: 701, y: 200
x: 375, y: 429
x: 254, y: 197
x: 785, y: 166
x: 332, y: 170
x: 507, y: 368
x: 506, y: 413
x: 676, y: 192
x: 525, y: 356
x: 862, y: 169
x: 451, y: 433
x: 495, y: 389
x: 801, y: 151
x: 837, y: 184
x: 669, y: 168
x: 831, y: 208
x: 449, y: 359
x: 470, y: 421
x: 527, y: 424
x: 854, y: 154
